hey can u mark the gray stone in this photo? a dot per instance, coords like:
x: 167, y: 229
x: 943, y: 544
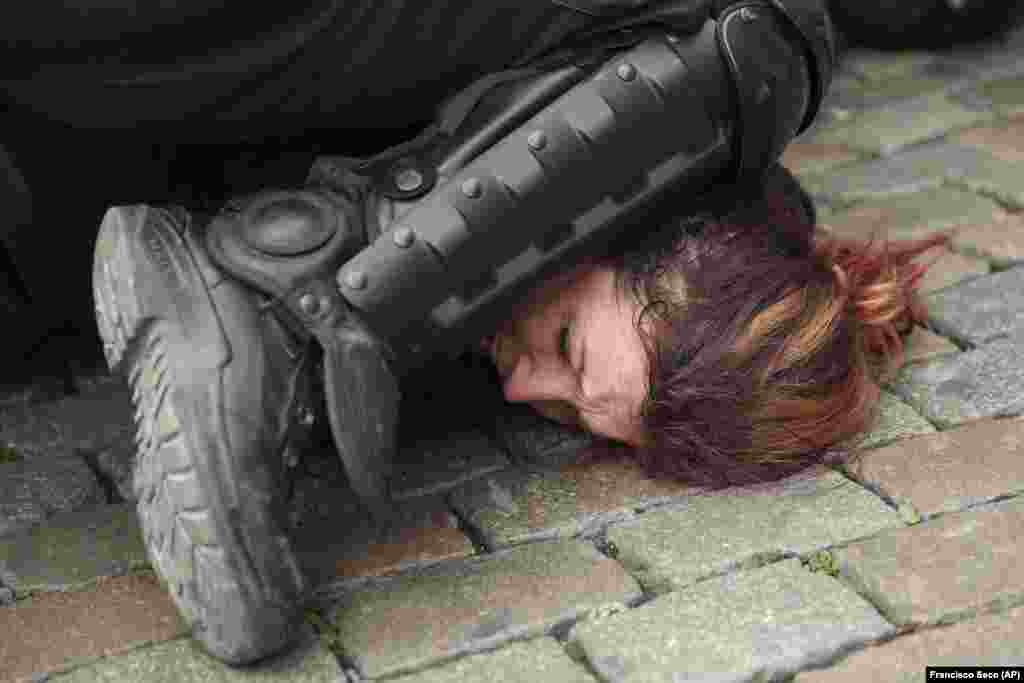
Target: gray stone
x: 519, y: 505
x: 981, y: 309
x: 438, y: 465
x: 888, y: 129
x: 522, y: 506
x: 951, y: 390
x: 1001, y: 180
x: 913, y: 215
x: 406, y: 623
x: 911, y: 171
x: 72, y: 550
x: 181, y: 661
x: 99, y: 417
x: 670, y: 548
x: 896, y: 420
x: 542, y: 659
x: 33, y: 489
x: 535, y: 440
x: 1005, y: 95
x: 942, y: 570
x: 752, y: 626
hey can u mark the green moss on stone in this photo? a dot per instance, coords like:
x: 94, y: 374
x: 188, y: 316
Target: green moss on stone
x: 9, y: 455
x: 822, y: 562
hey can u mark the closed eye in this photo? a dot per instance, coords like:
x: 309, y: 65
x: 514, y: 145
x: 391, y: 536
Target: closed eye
x: 564, y: 338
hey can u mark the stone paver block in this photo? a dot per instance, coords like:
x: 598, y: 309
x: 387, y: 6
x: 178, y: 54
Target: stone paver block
x: 1004, y: 95
x: 980, y: 310
x: 944, y: 569
x: 896, y: 420
x: 992, y: 640
x: 923, y: 345
x: 1001, y: 180
x: 951, y: 470
x: 999, y: 242
x: 337, y: 537
x: 99, y: 417
x: 808, y: 157
x: 869, y: 79
x: 714, y: 533
x: 406, y: 623
x: 540, y: 660
x: 72, y: 550
x: 876, y: 66
x: 951, y: 390
x: 534, y: 440
x: 922, y: 168
x: 1004, y: 140
x: 886, y: 130
x: 949, y: 269
x: 756, y: 625
x: 51, y: 632
x: 181, y: 661
x: 33, y: 489
x: 438, y: 465
x: 910, y: 216
x: 524, y: 505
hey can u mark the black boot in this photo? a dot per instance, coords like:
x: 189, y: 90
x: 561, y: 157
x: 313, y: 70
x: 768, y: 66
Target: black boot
x: 218, y: 382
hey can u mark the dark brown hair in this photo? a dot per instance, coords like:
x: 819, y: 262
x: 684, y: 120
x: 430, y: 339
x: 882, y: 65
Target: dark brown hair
x: 766, y: 339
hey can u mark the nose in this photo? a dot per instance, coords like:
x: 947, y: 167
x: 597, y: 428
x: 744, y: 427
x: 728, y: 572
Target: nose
x: 531, y: 381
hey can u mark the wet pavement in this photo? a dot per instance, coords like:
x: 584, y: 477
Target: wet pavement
x: 513, y: 561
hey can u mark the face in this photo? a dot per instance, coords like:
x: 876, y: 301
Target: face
x: 574, y: 354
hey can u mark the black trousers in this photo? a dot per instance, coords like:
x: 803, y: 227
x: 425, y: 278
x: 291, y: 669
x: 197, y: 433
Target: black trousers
x: 119, y: 101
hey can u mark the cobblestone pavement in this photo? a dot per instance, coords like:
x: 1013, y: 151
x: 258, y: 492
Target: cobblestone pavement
x: 515, y: 562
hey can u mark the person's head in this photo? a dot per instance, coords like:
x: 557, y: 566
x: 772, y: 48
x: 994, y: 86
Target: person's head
x: 728, y: 349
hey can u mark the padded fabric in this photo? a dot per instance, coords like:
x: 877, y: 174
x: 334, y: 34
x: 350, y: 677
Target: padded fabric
x: 224, y: 70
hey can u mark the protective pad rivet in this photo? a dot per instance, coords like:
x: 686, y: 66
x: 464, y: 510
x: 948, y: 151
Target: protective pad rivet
x: 747, y: 14
x: 356, y: 280
x: 408, y: 179
x: 309, y: 304
x: 403, y: 237
x: 626, y: 72
x: 472, y: 188
x: 537, y: 140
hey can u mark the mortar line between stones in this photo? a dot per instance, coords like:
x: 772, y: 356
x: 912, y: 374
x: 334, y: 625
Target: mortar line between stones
x: 963, y: 183
x: 83, y: 663
x: 475, y: 535
x: 971, y: 506
x: 847, y: 473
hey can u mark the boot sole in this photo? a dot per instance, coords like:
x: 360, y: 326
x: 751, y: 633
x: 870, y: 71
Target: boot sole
x: 236, y: 584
